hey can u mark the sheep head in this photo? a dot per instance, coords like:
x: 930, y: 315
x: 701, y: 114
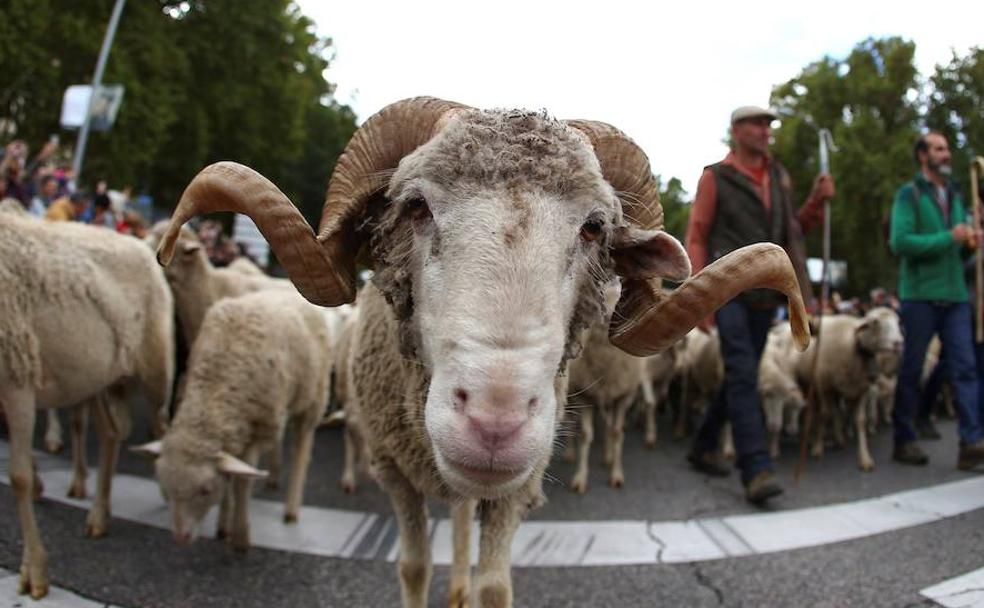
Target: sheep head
x: 492, y: 234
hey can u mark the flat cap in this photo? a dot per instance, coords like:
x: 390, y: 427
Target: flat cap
x: 745, y: 112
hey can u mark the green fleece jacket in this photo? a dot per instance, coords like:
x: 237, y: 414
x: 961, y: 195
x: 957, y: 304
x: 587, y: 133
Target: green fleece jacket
x: 931, y: 268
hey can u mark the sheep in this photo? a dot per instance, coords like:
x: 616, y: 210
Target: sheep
x: 853, y: 352
x: 609, y: 379
x: 492, y: 234
x: 356, y: 450
x: 85, y: 314
x: 263, y: 360
x: 197, y: 285
x: 661, y: 369
x: 701, y: 376
x: 782, y: 398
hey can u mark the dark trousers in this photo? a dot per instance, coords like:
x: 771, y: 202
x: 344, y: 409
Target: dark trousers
x: 742, y: 331
x: 920, y: 321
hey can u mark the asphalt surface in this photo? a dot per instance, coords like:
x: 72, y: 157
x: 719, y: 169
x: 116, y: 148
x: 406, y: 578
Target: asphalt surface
x: 137, y: 565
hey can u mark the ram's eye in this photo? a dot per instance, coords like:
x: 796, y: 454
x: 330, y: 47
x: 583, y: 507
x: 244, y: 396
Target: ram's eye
x: 591, y: 229
x: 417, y: 208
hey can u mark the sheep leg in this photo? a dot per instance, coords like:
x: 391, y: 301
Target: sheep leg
x: 649, y: 413
x: 241, y: 486
x: 110, y: 436
x: 579, y: 483
x: 616, y: 477
x: 19, y: 408
x: 462, y: 514
x: 53, y: 442
x: 865, y: 461
x: 727, y: 442
x: 223, y: 525
x: 303, y: 442
x: 608, y: 419
x: 773, y: 409
x: 347, y: 480
x: 275, y: 464
x: 493, y: 579
x: 819, y: 425
x: 80, y: 420
x: 410, y: 507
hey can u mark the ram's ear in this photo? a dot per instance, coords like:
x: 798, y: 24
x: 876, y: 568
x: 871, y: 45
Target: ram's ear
x: 150, y: 450
x: 646, y: 254
x: 189, y: 247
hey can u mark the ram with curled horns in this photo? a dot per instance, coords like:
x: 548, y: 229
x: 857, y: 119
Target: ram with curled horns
x: 492, y: 234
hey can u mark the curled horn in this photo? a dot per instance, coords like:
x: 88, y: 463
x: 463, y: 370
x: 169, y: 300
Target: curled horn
x: 648, y: 318
x: 323, y: 267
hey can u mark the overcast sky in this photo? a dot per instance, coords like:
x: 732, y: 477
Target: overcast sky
x: 667, y: 76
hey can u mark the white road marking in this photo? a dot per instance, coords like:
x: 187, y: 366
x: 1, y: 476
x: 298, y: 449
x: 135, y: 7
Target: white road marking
x: 350, y: 534
x: 966, y: 591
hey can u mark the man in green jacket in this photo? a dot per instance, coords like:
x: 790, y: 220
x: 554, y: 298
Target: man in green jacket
x: 930, y: 235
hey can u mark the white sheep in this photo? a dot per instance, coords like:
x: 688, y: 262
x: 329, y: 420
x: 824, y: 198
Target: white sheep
x: 782, y: 398
x: 853, y: 352
x: 85, y: 314
x: 492, y: 234
x: 661, y: 369
x: 263, y: 360
x: 606, y: 379
x: 701, y: 377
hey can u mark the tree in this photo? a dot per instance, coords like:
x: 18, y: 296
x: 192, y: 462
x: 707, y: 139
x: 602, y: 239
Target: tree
x: 870, y: 103
x: 676, y: 208
x: 955, y: 102
x: 205, y: 80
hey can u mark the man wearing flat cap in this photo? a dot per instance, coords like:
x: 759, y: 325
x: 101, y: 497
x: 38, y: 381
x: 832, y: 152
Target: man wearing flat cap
x: 744, y: 199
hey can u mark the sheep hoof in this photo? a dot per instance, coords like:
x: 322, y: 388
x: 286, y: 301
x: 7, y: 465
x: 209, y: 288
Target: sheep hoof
x: 241, y: 547
x: 579, y: 484
x: 77, y: 491
x: 95, y: 530
x: 37, y: 490
x: 53, y: 446
x: 458, y: 597
x: 866, y: 466
x: 617, y: 480
x: 290, y: 518
x: 33, y: 580
x: 650, y: 443
x: 348, y: 485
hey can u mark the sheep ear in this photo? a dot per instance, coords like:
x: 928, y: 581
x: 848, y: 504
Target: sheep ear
x: 866, y: 334
x: 230, y: 465
x: 150, y: 450
x: 189, y: 247
x: 646, y: 254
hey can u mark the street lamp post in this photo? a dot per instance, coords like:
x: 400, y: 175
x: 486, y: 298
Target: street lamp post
x: 79, y: 157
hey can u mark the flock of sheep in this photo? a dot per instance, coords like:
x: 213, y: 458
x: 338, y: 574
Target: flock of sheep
x: 517, y: 260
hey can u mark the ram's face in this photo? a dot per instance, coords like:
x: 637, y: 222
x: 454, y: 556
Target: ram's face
x: 500, y: 267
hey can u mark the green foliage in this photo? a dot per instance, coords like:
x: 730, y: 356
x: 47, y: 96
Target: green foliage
x: 205, y: 80
x: 676, y: 207
x: 955, y: 104
x: 869, y: 101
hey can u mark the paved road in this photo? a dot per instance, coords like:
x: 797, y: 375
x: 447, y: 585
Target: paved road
x: 139, y: 565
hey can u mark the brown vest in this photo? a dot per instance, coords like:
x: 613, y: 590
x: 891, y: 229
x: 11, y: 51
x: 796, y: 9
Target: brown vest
x: 741, y: 219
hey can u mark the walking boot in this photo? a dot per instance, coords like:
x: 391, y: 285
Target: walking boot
x: 709, y: 463
x: 910, y: 453
x: 971, y: 456
x: 761, y: 488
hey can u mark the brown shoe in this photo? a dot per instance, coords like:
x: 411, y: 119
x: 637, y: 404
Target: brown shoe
x: 761, y: 488
x: 971, y: 456
x: 910, y: 453
x: 709, y: 463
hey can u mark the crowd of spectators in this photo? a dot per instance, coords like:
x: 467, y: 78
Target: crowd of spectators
x: 45, y: 186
